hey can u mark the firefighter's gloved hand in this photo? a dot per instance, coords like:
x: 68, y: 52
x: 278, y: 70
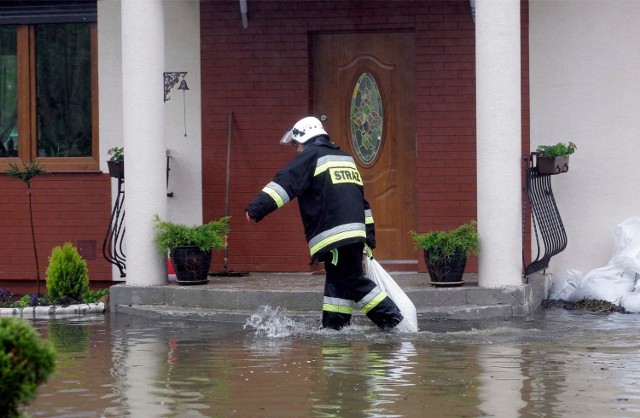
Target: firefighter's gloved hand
x: 371, y: 242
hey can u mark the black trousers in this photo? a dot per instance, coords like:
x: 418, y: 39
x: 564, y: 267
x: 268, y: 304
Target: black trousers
x: 347, y: 285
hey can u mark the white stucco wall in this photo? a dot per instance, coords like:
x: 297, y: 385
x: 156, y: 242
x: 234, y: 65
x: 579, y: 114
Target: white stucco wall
x: 585, y: 88
x: 182, y: 41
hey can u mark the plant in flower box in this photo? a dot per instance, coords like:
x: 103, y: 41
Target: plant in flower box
x: 116, y: 162
x: 554, y: 159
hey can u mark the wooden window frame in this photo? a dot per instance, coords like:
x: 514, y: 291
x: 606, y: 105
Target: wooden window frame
x: 27, y: 115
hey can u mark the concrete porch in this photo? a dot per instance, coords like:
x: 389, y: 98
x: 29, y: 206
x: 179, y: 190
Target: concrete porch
x: 234, y: 299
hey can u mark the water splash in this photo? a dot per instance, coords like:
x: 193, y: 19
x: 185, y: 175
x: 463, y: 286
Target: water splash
x: 275, y: 322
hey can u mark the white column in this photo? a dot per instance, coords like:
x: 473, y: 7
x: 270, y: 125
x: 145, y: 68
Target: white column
x: 499, y: 151
x: 144, y: 139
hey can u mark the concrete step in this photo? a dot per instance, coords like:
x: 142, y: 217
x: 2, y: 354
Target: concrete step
x: 236, y: 298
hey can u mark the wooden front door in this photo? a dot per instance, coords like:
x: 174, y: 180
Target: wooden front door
x: 363, y: 91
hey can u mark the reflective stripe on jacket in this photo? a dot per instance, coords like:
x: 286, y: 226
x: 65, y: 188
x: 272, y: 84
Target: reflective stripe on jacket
x: 330, y: 194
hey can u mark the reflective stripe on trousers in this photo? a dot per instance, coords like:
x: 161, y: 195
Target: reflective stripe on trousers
x: 346, y: 284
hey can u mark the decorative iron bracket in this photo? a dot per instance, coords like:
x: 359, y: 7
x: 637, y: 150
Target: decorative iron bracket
x: 170, y: 80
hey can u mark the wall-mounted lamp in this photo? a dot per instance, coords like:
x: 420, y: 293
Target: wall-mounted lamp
x: 170, y: 80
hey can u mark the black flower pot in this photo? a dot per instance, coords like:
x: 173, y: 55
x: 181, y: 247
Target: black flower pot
x: 552, y: 165
x: 191, y: 265
x: 116, y: 169
x: 446, y: 271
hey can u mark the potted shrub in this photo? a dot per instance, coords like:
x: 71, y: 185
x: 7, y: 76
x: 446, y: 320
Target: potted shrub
x: 445, y: 252
x: 116, y: 162
x: 190, y: 247
x: 554, y: 159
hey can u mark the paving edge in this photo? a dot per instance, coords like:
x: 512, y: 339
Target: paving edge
x: 55, y: 311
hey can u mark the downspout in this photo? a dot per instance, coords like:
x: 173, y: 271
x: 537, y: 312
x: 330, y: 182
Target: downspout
x: 472, y: 3
x: 243, y: 12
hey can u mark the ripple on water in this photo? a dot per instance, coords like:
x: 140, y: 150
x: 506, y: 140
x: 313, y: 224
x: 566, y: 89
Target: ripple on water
x: 562, y: 363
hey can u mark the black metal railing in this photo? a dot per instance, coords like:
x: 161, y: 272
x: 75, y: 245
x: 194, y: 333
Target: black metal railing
x: 547, y: 228
x: 112, y: 247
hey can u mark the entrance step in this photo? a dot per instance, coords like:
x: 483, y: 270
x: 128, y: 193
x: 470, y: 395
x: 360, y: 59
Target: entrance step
x: 235, y: 299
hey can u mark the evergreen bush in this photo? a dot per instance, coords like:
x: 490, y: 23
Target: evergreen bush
x: 209, y: 236
x: 26, y: 361
x: 445, y: 243
x: 67, y: 273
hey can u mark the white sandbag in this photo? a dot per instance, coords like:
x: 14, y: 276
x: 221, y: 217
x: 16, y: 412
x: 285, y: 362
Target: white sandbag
x: 607, y: 283
x: 636, y: 287
x: 563, y: 288
x: 626, y: 245
x: 630, y: 302
x: 379, y: 275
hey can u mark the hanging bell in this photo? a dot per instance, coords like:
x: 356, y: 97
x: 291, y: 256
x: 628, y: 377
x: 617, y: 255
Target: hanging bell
x: 183, y: 85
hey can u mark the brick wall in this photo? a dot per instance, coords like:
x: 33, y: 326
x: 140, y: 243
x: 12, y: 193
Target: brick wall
x: 261, y: 74
x: 66, y: 208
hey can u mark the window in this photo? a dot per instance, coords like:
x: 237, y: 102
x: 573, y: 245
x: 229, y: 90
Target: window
x: 48, y: 95
x: 366, y: 117
x: 8, y: 92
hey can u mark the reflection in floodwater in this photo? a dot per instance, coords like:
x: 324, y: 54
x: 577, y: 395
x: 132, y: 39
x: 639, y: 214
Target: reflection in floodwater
x: 568, y: 364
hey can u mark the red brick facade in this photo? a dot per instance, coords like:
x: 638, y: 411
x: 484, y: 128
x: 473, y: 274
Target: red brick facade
x: 261, y: 74
x: 66, y: 208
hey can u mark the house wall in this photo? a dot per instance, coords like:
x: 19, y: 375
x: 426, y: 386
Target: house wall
x: 261, y: 75
x: 67, y: 207
x: 585, y: 88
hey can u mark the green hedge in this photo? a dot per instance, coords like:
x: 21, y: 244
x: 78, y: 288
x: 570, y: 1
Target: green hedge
x: 26, y: 361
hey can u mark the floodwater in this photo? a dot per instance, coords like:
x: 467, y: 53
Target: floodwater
x: 560, y: 364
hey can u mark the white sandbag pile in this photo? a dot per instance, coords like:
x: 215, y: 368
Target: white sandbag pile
x: 618, y: 282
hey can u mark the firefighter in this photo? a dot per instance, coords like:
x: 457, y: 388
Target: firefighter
x: 337, y: 222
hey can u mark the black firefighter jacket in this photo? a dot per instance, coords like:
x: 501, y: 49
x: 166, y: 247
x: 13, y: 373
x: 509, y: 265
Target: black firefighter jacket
x: 330, y: 196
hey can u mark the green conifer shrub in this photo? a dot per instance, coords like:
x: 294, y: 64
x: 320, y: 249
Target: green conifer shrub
x: 26, y: 361
x: 67, y: 273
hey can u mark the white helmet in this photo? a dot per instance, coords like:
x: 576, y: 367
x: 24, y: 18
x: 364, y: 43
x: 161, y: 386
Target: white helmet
x: 303, y: 130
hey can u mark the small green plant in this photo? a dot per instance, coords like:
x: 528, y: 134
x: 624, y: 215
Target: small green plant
x: 446, y: 243
x: 208, y: 236
x: 559, y: 150
x: 91, y: 296
x: 26, y: 361
x: 67, y: 273
x: 116, y: 153
x: 30, y: 172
